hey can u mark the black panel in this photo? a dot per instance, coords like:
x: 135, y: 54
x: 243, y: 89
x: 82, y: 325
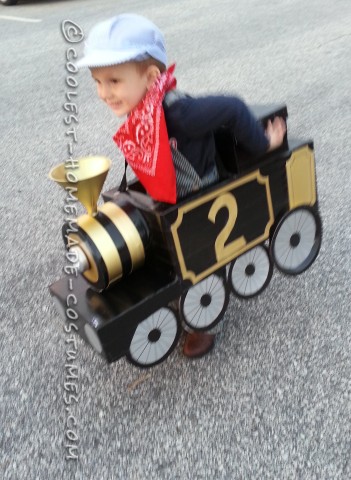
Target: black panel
x: 115, y: 313
x: 197, y: 234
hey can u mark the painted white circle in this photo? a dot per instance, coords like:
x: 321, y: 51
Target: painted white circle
x: 93, y: 337
x: 303, y: 225
x: 154, y: 337
x: 250, y: 271
x: 204, y: 302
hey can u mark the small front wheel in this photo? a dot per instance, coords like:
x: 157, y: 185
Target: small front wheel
x: 204, y: 304
x: 250, y: 273
x: 154, y: 338
x: 296, y: 240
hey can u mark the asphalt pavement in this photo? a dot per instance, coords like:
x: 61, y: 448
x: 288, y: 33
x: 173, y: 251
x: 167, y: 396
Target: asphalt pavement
x: 273, y: 399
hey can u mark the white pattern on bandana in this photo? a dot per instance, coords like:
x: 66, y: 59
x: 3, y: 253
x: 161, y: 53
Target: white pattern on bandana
x: 138, y: 138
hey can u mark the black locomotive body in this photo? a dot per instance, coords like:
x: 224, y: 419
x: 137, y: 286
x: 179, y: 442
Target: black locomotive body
x: 146, y: 258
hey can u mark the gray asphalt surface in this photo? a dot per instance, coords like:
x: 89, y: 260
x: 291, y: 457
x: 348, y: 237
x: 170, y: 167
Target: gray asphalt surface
x: 273, y: 400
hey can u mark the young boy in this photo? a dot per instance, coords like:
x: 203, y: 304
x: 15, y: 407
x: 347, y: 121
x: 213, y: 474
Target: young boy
x: 168, y: 137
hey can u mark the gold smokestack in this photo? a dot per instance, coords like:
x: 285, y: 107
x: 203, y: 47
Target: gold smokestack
x: 88, y: 178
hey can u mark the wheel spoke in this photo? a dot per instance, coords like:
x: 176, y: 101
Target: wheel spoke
x: 246, y: 283
x: 143, y: 350
x: 148, y: 352
x: 163, y: 320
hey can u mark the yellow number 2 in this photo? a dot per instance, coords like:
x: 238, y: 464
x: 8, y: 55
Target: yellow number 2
x: 228, y: 201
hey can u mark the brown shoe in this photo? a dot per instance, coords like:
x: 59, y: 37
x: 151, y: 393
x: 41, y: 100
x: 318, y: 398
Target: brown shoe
x: 198, y: 344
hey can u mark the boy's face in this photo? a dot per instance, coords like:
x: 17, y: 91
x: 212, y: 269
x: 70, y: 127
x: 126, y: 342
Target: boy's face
x: 122, y: 86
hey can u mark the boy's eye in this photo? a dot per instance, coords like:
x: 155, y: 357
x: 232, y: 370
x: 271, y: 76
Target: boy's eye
x: 115, y: 80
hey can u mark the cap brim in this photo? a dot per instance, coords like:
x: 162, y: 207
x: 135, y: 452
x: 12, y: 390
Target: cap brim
x: 100, y: 58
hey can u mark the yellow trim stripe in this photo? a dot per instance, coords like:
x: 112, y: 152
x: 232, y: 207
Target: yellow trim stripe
x: 104, y: 243
x: 301, y: 177
x: 127, y: 229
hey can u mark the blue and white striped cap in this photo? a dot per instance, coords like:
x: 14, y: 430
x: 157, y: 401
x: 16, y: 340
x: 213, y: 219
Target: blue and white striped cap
x: 126, y: 37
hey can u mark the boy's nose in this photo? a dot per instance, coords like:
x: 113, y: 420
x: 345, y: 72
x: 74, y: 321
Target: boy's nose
x: 104, y: 92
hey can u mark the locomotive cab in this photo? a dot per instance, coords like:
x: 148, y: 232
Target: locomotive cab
x: 232, y: 158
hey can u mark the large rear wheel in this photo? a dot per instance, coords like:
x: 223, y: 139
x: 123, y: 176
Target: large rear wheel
x: 296, y: 240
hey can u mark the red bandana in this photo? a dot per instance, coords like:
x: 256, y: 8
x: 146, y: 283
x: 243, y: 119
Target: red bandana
x: 143, y: 140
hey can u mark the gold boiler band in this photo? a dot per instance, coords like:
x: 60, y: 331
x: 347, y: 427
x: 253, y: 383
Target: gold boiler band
x: 128, y: 230
x: 105, y: 245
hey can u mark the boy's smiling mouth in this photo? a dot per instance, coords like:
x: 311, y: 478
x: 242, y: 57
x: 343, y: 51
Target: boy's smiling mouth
x: 114, y: 104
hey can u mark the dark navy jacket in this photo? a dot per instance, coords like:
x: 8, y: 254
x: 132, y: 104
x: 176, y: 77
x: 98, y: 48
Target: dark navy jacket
x: 192, y: 122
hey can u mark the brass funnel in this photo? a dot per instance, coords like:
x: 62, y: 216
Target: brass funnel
x: 90, y: 175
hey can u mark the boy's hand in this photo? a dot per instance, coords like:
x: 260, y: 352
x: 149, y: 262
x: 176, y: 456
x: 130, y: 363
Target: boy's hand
x: 275, y: 133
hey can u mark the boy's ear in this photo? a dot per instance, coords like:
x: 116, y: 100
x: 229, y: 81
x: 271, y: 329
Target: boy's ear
x: 151, y: 74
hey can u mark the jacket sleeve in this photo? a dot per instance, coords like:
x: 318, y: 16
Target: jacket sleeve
x: 198, y: 116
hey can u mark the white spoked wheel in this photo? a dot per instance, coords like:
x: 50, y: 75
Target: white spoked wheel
x: 296, y: 240
x: 204, y: 304
x: 154, y: 339
x: 250, y: 273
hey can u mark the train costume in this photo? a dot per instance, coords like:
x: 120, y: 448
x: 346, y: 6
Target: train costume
x: 139, y: 259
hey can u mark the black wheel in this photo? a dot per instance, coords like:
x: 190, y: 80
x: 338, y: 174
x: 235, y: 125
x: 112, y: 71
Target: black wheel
x: 296, y: 240
x: 250, y: 273
x: 204, y: 304
x: 154, y: 338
